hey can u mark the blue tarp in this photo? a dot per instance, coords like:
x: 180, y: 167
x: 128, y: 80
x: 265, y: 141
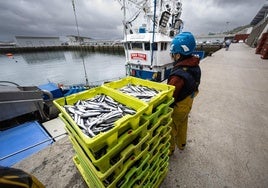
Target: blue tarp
x: 22, y: 141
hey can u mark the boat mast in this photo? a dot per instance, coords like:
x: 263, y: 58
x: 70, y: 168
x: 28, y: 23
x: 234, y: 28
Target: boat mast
x: 79, y: 39
x: 152, y: 42
x: 125, y: 37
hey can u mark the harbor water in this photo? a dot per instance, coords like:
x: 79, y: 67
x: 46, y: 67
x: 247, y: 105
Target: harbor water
x: 61, y: 67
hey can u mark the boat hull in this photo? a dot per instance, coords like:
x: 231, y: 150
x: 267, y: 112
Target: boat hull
x: 157, y: 74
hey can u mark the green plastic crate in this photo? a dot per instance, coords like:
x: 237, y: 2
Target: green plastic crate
x: 157, y: 166
x: 162, y: 166
x: 129, y: 153
x: 110, y: 137
x: 161, y: 177
x: 159, y: 133
x: 140, y: 183
x: 160, y: 121
x: 137, y: 172
x: 166, y: 91
x: 162, y: 109
x: 90, y: 180
x: 156, y: 145
x: 158, y: 179
x: 161, y: 151
x: 116, y: 177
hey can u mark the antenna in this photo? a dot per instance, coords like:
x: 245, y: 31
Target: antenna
x: 79, y: 39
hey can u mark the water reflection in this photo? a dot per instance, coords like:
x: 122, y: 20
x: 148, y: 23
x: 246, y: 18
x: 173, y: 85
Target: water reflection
x: 81, y: 54
x: 43, y: 57
x: 61, y: 67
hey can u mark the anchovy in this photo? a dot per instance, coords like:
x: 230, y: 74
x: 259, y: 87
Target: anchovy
x: 97, y: 114
x: 102, y: 129
x: 90, y: 114
x: 81, y: 108
x: 90, y: 132
x: 70, y: 109
x: 141, y: 92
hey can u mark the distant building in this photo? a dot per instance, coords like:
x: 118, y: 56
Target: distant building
x: 76, y: 40
x: 28, y: 41
x: 210, y: 39
x: 7, y: 44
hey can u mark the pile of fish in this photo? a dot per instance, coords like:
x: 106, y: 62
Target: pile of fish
x: 141, y: 92
x: 97, y: 114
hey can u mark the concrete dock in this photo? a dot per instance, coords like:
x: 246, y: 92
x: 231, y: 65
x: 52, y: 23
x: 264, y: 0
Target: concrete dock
x: 227, y: 133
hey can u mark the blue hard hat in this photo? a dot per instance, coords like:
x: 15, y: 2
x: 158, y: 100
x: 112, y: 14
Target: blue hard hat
x: 183, y: 43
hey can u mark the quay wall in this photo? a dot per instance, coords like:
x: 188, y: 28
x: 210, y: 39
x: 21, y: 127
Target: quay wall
x: 118, y: 49
x: 209, y: 48
x: 106, y: 49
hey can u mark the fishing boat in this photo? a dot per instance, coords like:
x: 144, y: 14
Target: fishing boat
x: 149, y: 27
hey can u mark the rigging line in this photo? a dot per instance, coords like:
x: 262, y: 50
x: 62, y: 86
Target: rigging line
x: 79, y: 39
x: 152, y: 44
x: 135, y: 17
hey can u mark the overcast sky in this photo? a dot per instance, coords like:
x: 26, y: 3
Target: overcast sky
x: 103, y: 18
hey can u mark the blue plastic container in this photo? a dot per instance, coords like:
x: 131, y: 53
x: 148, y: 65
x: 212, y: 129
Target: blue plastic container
x: 142, y: 30
x: 53, y: 89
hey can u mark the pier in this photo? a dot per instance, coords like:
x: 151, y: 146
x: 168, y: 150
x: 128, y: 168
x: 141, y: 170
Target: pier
x: 227, y: 132
x: 93, y: 48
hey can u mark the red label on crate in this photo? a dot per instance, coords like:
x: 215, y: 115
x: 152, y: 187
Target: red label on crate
x: 139, y: 56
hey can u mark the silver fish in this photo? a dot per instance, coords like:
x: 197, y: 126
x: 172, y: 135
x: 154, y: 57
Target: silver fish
x: 97, y: 114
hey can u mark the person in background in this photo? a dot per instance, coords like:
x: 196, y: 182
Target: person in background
x: 227, y: 44
x: 185, y: 76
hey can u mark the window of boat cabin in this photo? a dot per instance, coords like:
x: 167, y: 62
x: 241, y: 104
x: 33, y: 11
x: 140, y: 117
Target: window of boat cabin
x: 137, y: 46
x: 147, y: 46
x: 154, y: 46
x: 163, y: 46
x: 127, y: 45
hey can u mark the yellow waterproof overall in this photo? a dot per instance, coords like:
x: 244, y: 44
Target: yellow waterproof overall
x: 180, y: 114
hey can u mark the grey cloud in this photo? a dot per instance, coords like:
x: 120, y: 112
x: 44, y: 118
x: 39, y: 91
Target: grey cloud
x: 103, y: 18
x: 205, y: 16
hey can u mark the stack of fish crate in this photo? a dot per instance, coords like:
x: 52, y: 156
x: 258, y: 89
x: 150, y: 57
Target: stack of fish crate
x: 133, y: 152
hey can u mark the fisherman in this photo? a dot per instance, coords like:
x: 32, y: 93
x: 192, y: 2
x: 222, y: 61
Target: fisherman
x: 185, y: 76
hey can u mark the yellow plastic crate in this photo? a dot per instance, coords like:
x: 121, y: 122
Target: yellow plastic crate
x: 104, y: 138
x: 166, y: 91
x: 104, y: 162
